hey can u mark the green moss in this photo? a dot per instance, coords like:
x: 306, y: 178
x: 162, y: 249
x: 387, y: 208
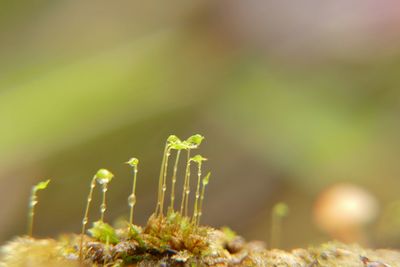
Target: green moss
x: 174, y: 238
x: 103, y: 232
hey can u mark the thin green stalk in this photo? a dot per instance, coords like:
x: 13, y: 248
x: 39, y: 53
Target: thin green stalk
x: 203, y: 189
x: 31, y: 214
x: 132, y: 197
x: 185, y: 184
x: 279, y: 211
x: 187, y: 193
x: 33, y: 202
x: 160, y: 180
x: 195, y: 209
x: 103, y: 206
x: 178, y: 153
x: 86, y: 215
x: 164, y: 186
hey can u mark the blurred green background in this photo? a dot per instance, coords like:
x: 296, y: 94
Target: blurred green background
x: 292, y: 97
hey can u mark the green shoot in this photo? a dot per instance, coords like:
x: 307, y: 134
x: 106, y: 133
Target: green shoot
x: 279, y: 211
x: 203, y: 189
x: 178, y: 154
x: 164, y: 164
x: 178, y: 145
x: 164, y: 183
x: 135, y: 233
x: 104, y: 233
x: 199, y: 160
x: 86, y: 215
x: 133, y: 162
x: 33, y: 202
x: 192, y: 142
x: 103, y: 177
x: 186, y: 189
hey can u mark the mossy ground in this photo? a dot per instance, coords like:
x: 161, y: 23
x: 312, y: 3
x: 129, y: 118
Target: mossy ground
x: 175, y: 241
x: 172, y: 239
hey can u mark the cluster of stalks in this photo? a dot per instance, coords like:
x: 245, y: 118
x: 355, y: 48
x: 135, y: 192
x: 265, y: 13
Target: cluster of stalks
x: 173, y: 143
x: 175, y: 146
x: 103, y: 177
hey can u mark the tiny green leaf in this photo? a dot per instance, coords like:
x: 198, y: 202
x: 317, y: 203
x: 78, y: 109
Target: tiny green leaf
x: 104, y: 232
x: 229, y: 233
x: 173, y: 139
x: 42, y: 185
x: 133, y: 162
x: 179, y: 145
x: 104, y: 176
x: 135, y: 232
x: 198, y: 158
x: 281, y: 209
x: 195, y: 140
x: 206, y: 179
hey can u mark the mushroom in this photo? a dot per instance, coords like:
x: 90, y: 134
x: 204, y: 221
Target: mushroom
x: 343, y: 210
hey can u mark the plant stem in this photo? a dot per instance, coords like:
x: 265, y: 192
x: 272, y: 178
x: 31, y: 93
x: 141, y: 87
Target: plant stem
x: 160, y: 180
x: 195, y: 210
x: 164, y: 186
x: 85, y: 217
x: 103, y: 205
x: 187, y: 192
x: 132, y: 197
x: 178, y: 153
x: 31, y: 214
x: 185, y: 184
x: 203, y: 189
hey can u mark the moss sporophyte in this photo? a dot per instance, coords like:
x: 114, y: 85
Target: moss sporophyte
x: 171, y: 237
x: 33, y: 201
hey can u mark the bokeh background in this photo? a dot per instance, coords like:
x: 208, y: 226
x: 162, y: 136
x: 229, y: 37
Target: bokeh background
x: 292, y: 96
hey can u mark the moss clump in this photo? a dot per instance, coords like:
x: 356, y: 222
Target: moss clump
x: 27, y: 251
x: 221, y: 251
x: 173, y: 238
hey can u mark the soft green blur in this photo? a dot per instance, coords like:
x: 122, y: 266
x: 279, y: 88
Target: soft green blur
x: 289, y: 105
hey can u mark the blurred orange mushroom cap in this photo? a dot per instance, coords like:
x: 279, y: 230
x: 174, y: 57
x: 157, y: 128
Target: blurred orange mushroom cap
x: 344, y: 206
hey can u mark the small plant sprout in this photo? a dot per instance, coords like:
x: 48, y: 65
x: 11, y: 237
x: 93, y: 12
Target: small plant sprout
x: 192, y: 142
x: 103, y: 177
x: 199, y: 160
x: 86, y: 215
x: 279, y: 211
x: 104, y: 233
x: 205, y: 181
x: 33, y: 202
x: 163, y: 171
x: 133, y: 162
x: 179, y: 146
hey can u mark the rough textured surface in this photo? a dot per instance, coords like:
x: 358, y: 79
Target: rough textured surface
x: 25, y: 251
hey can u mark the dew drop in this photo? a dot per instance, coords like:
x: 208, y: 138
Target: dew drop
x: 132, y: 200
x: 103, y: 208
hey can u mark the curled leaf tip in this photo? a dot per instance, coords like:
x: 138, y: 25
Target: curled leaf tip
x: 173, y: 139
x: 281, y: 209
x: 104, y: 176
x: 133, y: 162
x: 198, y: 158
x: 41, y: 185
x: 206, y: 179
x: 195, y: 140
x: 179, y: 145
